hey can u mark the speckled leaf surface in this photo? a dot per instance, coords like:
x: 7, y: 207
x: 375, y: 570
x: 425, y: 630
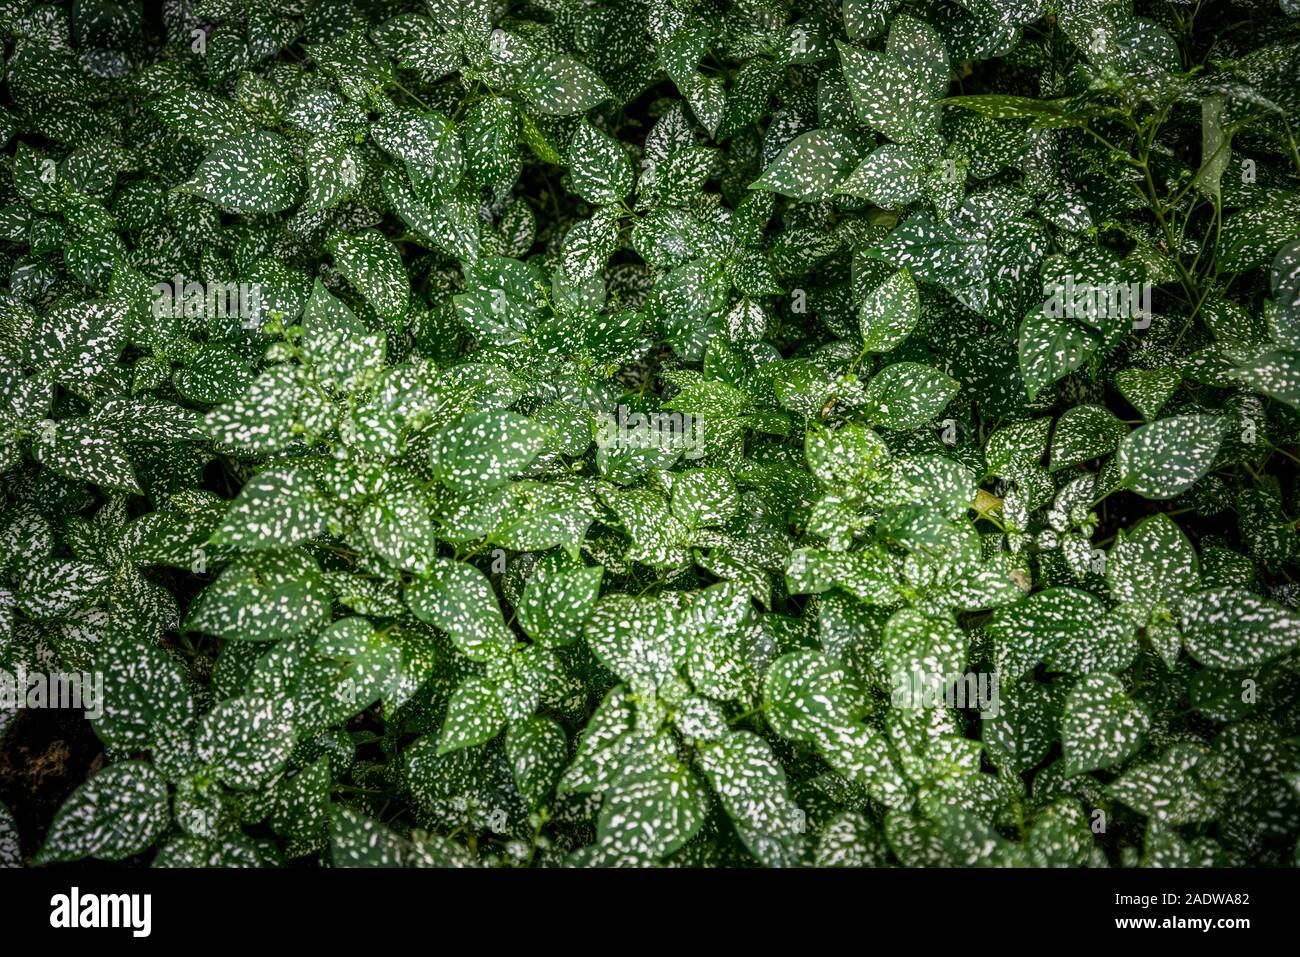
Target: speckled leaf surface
x: 1100, y: 724
x: 458, y: 599
x: 1164, y: 458
x: 117, y: 813
x: 253, y: 173
x: 464, y: 434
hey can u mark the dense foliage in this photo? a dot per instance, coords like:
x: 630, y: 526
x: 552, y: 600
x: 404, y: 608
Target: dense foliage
x: 543, y: 433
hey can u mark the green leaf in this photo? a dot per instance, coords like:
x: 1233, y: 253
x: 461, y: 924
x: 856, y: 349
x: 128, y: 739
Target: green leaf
x: 563, y: 86
x: 589, y: 245
x: 50, y: 588
x: 145, y: 696
x: 1284, y: 278
x: 687, y: 303
x: 85, y: 451
x: 365, y: 665
x: 654, y: 807
x: 658, y: 537
x: 360, y: 841
x: 889, y: 312
x: 1166, y: 458
x: 1251, y: 237
x: 211, y: 375
x: 558, y: 600
x: 267, y: 596
x: 372, y: 265
x: 300, y: 807
x: 1215, y: 151
x: 845, y: 456
x: 485, y: 449
x: 538, y: 141
x: 264, y: 419
x: 1023, y: 730
x: 811, y: 165
x: 1231, y: 628
x: 602, y: 745
x: 704, y: 497
x: 491, y: 130
x: 811, y: 698
x: 82, y: 341
x: 1100, y: 726
x: 274, y: 509
x: 428, y: 143
x: 1275, y: 374
x: 1017, y: 449
x: 251, y: 174
x: 1147, y: 390
x: 907, y: 395
x: 343, y: 361
x: 865, y: 19
x: 538, y: 751
x: 1152, y: 564
x: 119, y: 812
x: 1000, y: 106
x: 10, y: 851
x: 889, y: 97
x: 1085, y: 432
x: 919, y: 45
x: 473, y: 716
x: 398, y: 526
x: 1051, y: 349
x: 200, y: 116
x: 752, y: 787
x: 334, y: 172
x: 892, y: 176
x: 458, y: 599
x: 245, y: 741
x: 1069, y: 629
x: 1169, y: 788
x: 637, y: 637
x: 916, y: 643
x: 849, y: 839
x: 600, y: 167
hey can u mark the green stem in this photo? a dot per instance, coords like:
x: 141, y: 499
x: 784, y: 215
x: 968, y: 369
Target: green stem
x: 420, y: 102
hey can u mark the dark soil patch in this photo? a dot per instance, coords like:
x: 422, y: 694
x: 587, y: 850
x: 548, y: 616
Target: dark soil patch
x: 46, y: 754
